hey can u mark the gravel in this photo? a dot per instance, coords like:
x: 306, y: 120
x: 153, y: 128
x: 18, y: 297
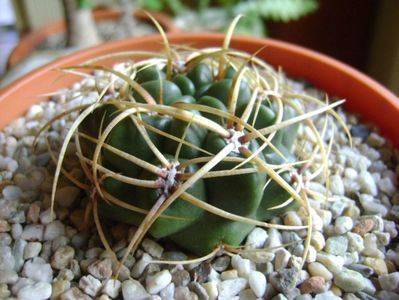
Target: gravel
x: 353, y: 253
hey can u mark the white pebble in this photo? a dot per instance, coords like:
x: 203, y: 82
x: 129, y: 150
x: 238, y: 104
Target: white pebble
x: 112, y: 287
x: 318, y: 269
x: 281, y: 259
x: 152, y: 248
x: 367, y: 183
x: 350, y: 173
x: 332, y: 262
x: 37, y: 291
x: 46, y: 217
x: 54, y: 230
x: 229, y: 288
x: 140, y: 265
x: 168, y: 292
x: 336, y: 185
x: 90, y: 285
x: 12, y: 192
x: 32, y: 249
x: 132, y: 289
x: 256, y: 238
x: 387, y: 186
x: 33, y: 232
x: 343, y: 224
x: 38, y: 270
x: 155, y: 283
x: 257, y: 282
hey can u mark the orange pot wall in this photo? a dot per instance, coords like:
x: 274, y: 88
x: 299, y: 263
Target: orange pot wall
x: 364, y: 95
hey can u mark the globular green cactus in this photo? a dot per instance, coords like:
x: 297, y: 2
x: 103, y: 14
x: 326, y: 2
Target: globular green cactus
x: 247, y: 194
x: 196, y: 147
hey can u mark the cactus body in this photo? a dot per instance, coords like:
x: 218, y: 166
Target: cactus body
x: 245, y: 195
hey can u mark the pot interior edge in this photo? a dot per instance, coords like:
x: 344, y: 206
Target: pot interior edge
x: 364, y: 96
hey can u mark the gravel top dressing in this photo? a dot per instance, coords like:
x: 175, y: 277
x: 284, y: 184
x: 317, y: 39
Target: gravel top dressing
x: 351, y: 253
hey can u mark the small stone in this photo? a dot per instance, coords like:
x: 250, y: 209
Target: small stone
x: 59, y: 287
x: 33, y: 232
x: 257, y: 283
x: 32, y: 216
x: 132, y: 289
x: 168, y: 292
x: 140, y: 265
x: 101, y: 269
x: 8, y: 277
x: 7, y: 261
x: 90, y: 285
x: 112, y: 287
x: 155, y: 283
x: 4, y: 291
x: 387, y: 186
x: 221, y: 263
x: 198, y: 290
x: 386, y: 295
x: 364, y: 226
x: 318, y: 269
x: 38, y: 270
x: 355, y: 242
x: 67, y: 195
x: 74, y: 294
x: 336, y: 245
x: 12, y: 192
x: 180, y: 277
x: 336, y: 185
x: 389, y: 282
x: 4, y: 226
x: 349, y: 281
x: 281, y: 259
x: 274, y: 239
x: 291, y: 218
x: 317, y: 240
x: 256, y: 238
x: 152, y: 248
x: 314, y: 284
x: 5, y: 239
x: 343, y: 224
x: 32, y: 249
x: 211, y: 289
x: 18, y: 253
x: 327, y: 296
x: 370, y: 246
x: 39, y: 291
x: 229, y: 274
x: 54, y: 230
x: 230, y: 288
x: 183, y: 293
x: 16, y: 231
x: 46, y: 217
x: 62, y: 257
x: 332, y: 262
x: 367, y: 183
x: 377, y: 264
x: 285, y: 280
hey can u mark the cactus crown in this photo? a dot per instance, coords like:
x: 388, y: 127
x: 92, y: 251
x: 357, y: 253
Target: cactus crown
x: 197, y: 146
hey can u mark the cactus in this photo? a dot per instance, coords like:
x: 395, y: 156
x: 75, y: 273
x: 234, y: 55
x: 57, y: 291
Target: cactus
x: 196, y: 146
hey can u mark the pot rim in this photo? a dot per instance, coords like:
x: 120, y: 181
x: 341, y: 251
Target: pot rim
x: 28, y: 42
x: 324, y: 72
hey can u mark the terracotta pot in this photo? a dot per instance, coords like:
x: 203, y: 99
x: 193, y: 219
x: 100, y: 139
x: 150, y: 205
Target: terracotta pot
x: 30, y: 41
x: 364, y: 96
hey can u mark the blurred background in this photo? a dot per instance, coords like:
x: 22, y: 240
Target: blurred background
x: 361, y: 33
